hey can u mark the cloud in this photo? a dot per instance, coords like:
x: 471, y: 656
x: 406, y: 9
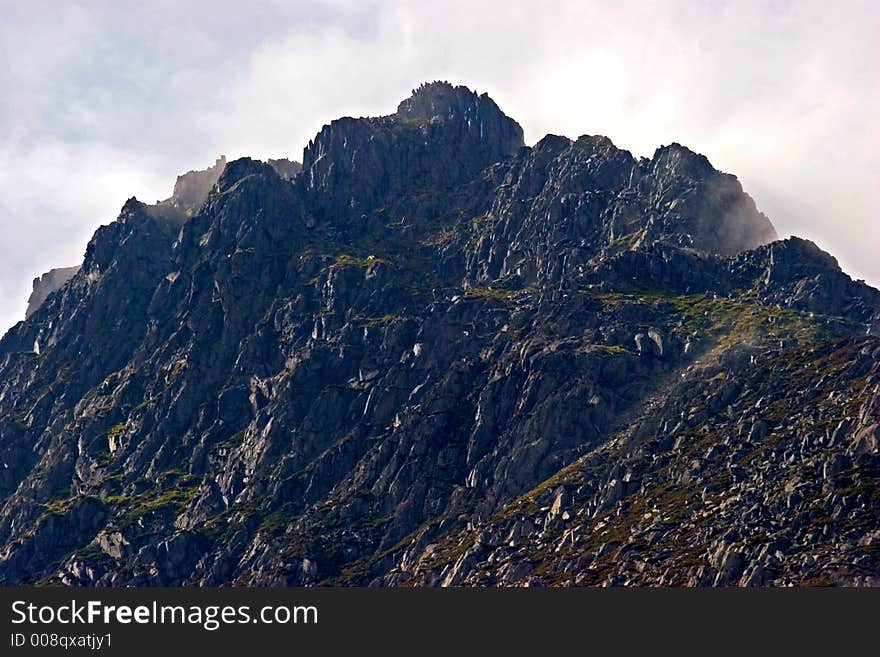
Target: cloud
x: 105, y: 100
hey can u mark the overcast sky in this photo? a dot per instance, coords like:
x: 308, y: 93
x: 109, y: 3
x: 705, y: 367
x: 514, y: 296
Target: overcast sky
x: 105, y: 100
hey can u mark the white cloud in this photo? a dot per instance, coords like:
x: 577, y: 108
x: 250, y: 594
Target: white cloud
x: 113, y: 101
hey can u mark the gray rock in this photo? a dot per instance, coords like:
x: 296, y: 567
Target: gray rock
x: 44, y: 285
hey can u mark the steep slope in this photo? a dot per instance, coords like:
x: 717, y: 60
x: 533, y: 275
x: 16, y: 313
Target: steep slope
x: 330, y: 378
x: 190, y: 192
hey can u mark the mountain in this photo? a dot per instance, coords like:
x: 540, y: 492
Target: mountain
x: 46, y: 284
x: 433, y: 355
x: 193, y: 187
x: 190, y: 192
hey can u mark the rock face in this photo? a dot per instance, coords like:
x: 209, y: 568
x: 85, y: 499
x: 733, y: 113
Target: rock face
x: 435, y: 356
x: 287, y: 169
x: 192, y: 188
x: 440, y: 137
x: 46, y: 284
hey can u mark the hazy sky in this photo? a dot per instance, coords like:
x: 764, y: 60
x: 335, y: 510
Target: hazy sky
x: 105, y: 100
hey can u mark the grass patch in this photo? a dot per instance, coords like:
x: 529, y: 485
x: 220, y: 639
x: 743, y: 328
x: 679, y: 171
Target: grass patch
x: 116, y: 430
x: 236, y: 439
x: 443, y: 237
x: 610, y: 349
x: 488, y: 294
x: 372, y: 322
x: 173, y: 499
x: 626, y: 241
x: 59, y: 506
x: 93, y: 555
x: 345, y: 260
x: 274, y: 522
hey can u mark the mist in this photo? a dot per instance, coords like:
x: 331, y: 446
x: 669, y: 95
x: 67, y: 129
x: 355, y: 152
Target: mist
x: 103, y: 102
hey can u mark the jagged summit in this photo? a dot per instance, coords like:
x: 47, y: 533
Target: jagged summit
x: 478, y: 115
x: 442, y: 102
x: 239, y: 169
x: 435, y: 98
x: 441, y: 136
x: 682, y: 160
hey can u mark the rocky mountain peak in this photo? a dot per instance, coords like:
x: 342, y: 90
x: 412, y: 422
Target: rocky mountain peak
x: 596, y: 143
x: 241, y: 168
x: 435, y: 356
x: 191, y: 188
x: 478, y: 115
x: 706, y: 209
x: 682, y: 161
x: 139, y: 233
x: 554, y: 144
x: 439, y: 98
x: 46, y: 284
x: 442, y: 135
x: 132, y: 207
x: 800, y: 252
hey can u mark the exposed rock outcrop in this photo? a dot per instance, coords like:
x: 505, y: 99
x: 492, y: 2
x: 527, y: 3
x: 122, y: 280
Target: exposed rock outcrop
x: 287, y: 169
x: 192, y: 188
x: 44, y: 285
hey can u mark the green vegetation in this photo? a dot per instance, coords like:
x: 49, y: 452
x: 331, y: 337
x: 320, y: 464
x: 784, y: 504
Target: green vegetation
x: 488, y: 294
x: 626, y: 241
x: 116, y: 430
x: 60, y: 503
x: 146, y: 403
x: 373, y: 322
x: 116, y: 499
x: 274, y: 522
x: 610, y: 300
x: 59, y: 506
x: 93, y: 555
x: 236, y: 438
x: 443, y: 237
x: 344, y: 260
x: 610, y: 349
x: 174, y: 499
x: 102, y: 404
x: 740, y: 320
